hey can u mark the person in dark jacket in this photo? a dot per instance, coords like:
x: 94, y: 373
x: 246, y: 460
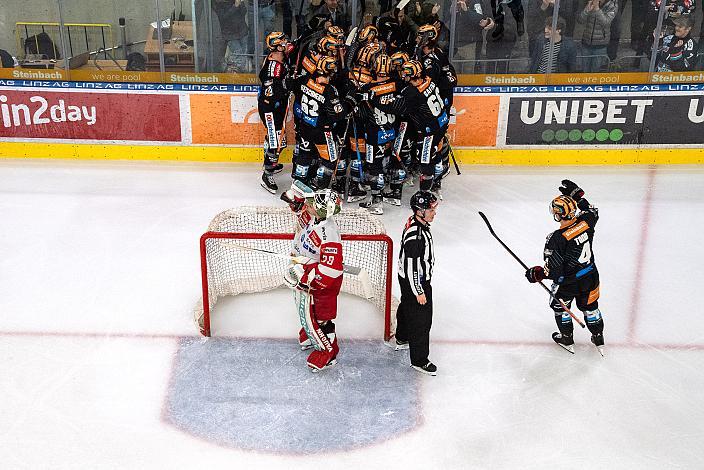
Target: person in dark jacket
x: 564, y: 51
x: 678, y: 52
x: 597, y: 17
x: 231, y: 16
x: 537, y: 10
x: 472, y: 19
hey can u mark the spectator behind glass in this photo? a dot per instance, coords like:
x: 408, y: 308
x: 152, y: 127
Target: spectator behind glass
x: 677, y: 52
x: 500, y: 41
x: 564, y: 51
x: 637, y: 14
x: 211, y: 43
x: 231, y: 15
x: 409, y: 28
x: 335, y: 9
x: 6, y: 59
x: 596, y: 17
x: 537, y: 10
x: 471, y: 22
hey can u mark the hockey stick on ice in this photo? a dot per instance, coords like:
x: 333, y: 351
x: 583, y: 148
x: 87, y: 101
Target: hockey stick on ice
x: 562, y: 304
x: 361, y: 273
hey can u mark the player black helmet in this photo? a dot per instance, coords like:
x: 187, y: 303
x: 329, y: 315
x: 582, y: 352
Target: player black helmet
x: 423, y: 200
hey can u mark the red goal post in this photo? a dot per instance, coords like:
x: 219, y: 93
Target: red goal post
x: 244, y: 251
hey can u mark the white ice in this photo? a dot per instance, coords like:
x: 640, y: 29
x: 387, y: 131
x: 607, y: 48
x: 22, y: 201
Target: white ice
x: 99, y: 272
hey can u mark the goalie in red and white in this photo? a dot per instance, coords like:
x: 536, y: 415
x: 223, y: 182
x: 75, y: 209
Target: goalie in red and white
x: 316, y: 270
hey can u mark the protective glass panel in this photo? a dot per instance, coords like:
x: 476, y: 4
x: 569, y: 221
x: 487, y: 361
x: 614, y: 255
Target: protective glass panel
x: 30, y: 37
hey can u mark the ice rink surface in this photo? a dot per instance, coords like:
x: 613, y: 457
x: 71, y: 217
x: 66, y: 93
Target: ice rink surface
x: 103, y: 367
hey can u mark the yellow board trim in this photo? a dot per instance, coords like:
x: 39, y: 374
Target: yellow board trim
x: 542, y: 156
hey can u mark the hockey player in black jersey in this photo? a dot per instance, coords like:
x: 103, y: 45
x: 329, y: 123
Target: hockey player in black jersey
x: 421, y: 101
x: 380, y: 131
x: 272, y: 100
x: 437, y: 66
x: 319, y: 108
x: 569, y: 263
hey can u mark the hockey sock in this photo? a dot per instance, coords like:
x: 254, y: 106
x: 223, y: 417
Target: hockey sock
x: 564, y: 323
x: 595, y: 322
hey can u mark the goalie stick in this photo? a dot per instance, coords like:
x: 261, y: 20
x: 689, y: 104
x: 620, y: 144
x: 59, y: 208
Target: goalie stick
x: 562, y: 304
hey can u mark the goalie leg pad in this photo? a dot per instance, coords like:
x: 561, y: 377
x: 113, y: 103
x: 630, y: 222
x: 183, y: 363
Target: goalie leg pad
x: 319, y: 360
x: 304, y: 340
x: 311, y: 326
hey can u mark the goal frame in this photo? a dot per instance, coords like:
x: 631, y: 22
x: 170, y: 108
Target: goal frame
x: 380, y: 237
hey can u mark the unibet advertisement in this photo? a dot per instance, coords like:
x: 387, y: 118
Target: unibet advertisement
x: 606, y: 120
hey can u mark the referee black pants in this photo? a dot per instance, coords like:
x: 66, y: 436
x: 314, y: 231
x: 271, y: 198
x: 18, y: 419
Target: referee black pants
x: 413, y: 322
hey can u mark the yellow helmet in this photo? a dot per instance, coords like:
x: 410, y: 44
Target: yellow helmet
x: 328, y: 45
x: 326, y: 65
x: 427, y: 34
x: 382, y: 65
x: 397, y: 59
x: 411, y: 69
x: 276, y: 39
x: 368, y: 33
x: 336, y: 32
x: 366, y: 55
x: 563, y: 208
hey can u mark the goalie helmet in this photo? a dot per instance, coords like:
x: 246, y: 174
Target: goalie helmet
x: 328, y: 45
x: 423, y: 200
x: 368, y: 34
x: 276, y: 39
x: 411, y: 69
x: 398, y: 59
x: 563, y: 208
x: 326, y: 203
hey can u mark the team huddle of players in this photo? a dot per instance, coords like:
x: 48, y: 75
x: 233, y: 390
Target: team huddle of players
x: 369, y: 111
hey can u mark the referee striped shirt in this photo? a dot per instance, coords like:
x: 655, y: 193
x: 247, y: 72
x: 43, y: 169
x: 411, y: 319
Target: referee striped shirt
x: 416, y: 258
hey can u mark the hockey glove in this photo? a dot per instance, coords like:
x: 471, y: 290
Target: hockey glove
x: 293, y: 275
x: 294, y: 201
x: 570, y: 189
x: 535, y: 274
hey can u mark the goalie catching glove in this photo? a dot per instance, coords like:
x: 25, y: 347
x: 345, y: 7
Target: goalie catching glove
x: 294, y: 200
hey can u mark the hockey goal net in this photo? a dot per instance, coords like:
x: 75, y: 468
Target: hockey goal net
x: 231, y: 264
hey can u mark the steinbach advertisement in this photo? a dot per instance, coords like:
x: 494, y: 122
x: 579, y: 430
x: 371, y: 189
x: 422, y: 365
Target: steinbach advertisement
x: 601, y: 120
x: 90, y: 116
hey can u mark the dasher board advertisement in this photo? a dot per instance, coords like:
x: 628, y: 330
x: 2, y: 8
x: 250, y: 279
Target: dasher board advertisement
x: 635, y: 119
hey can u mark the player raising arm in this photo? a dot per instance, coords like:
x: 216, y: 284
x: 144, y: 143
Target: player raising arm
x: 316, y: 272
x: 569, y: 263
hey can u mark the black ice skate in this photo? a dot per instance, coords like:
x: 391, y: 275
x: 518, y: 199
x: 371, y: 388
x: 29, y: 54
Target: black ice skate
x: 373, y: 205
x: 268, y: 183
x: 437, y: 189
x: 356, y: 193
x: 429, y: 369
x: 393, y: 197
x: 598, y: 340
x: 278, y: 168
x: 567, y: 342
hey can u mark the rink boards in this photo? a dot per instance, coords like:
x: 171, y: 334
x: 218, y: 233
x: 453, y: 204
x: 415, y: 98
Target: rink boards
x: 515, y: 125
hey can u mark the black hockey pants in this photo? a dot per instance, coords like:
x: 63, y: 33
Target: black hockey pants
x: 413, y: 322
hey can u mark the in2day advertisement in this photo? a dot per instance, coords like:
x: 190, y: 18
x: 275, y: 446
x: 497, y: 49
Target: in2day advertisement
x: 90, y: 116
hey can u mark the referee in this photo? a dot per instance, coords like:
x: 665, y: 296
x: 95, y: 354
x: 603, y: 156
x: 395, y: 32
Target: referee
x: 415, y: 270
